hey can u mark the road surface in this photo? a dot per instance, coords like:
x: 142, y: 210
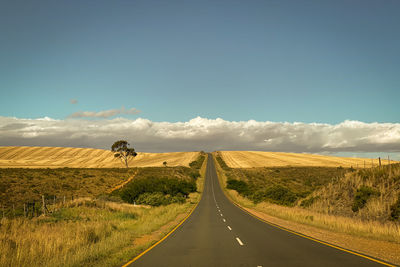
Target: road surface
x: 220, y: 234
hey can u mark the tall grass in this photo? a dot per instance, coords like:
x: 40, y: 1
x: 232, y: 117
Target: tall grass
x: 92, y: 232
x: 320, y: 212
x: 338, y: 196
x: 86, y: 233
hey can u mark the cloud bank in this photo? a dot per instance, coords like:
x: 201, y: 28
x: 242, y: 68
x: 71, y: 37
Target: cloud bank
x: 104, y: 114
x: 203, y: 134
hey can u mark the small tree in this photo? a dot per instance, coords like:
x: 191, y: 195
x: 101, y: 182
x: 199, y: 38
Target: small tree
x: 165, y: 164
x: 122, y: 151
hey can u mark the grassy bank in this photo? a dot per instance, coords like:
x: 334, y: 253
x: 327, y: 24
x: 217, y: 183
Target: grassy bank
x: 87, y: 232
x: 356, y: 225
x: 92, y: 230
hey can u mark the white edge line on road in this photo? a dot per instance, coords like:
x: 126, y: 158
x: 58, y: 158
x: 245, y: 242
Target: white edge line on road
x: 239, y: 241
x: 230, y: 229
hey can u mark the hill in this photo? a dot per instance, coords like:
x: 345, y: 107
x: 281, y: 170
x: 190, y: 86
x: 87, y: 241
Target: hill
x: 250, y: 159
x: 60, y: 157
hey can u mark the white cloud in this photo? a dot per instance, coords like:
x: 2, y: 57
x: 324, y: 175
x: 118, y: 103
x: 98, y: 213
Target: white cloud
x: 202, y: 134
x: 104, y: 114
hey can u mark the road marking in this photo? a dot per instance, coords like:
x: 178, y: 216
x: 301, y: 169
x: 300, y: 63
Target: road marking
x: 224, y: 220
x: 230, y: 229
x: 311, y: 238
x: 239, y: 241
x: 221, y: 215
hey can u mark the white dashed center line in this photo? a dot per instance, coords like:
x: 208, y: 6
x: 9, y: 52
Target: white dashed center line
x: 239, y: 241
x: 221, y: 215
x: 230, y: 229
x: 224, y: 220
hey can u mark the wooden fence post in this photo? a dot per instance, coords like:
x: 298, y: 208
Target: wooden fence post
x: 64, y: 201
x: 380, y: 162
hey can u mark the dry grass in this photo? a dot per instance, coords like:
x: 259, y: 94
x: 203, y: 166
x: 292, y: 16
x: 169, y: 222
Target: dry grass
x: 90, y: 232
x: 87, y: 233
x: 59, y: 157
x: 337, y: 197
x: 319, y: 216
x: 250, y: 159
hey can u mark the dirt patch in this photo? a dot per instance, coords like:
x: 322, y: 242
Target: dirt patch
x: 386, y: 251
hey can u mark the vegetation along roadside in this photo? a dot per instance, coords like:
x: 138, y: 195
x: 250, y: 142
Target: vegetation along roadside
x: 360, y: 204
x: 92, y: 226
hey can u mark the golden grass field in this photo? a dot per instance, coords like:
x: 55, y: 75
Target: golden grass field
x: 59, y: 157
x: 250, y: 159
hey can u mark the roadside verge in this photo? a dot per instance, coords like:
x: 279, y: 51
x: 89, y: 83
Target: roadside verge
x: 196, y: 199
x: 382, y: 252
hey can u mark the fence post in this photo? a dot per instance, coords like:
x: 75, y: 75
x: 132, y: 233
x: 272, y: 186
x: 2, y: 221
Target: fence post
x: 380, y: 162
x: 43, y: 205
x: 64, y: 201
x: 13, y: 210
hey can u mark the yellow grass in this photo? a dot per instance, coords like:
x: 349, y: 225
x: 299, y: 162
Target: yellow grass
x: 97, y: 234
x: 250, y: 159
x: 59, y: 157
x: 387, y: 231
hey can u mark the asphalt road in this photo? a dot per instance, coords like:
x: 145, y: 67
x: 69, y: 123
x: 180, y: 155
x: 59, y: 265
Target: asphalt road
x: 220, y: 234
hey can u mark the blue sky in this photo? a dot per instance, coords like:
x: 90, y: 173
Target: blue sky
x: 308, y: 61
x: 296, y: 76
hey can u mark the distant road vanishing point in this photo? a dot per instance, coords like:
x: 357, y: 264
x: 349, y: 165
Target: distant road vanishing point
x: 220, y: 234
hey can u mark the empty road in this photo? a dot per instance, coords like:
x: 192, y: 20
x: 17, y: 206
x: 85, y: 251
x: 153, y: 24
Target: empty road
x: 220, y: 234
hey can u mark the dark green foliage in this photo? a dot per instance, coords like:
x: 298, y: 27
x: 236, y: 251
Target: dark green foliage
x: 222, y: 163
x: 240, y: 186
x: 280, y: 185
x: 194, y: 174
x: 173, y: 187
x: 152, y: 199
x: 361, y: 197
x: 158, y: 199
x: 308, y: 202
x: 198, y: 162
x: 395, y: 210
x: 280, y: 195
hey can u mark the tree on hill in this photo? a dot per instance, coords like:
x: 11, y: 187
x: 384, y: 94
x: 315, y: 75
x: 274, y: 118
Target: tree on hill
x: 165, y: 164
x: 122, y: 151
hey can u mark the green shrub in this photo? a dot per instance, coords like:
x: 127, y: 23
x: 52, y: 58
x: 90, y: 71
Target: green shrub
x: 222, y: 163
x: 361, y: 197
x: 152, y: 199
x: 240, y: 186
x: 395, y: 210
x: 196, y: 164
x: 194, y: 174
x: 280, y: 195
x: 165, y: 186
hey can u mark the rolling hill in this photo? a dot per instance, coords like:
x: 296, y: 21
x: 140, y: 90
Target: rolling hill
x: 59, y: 157
x: 250, y: 159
